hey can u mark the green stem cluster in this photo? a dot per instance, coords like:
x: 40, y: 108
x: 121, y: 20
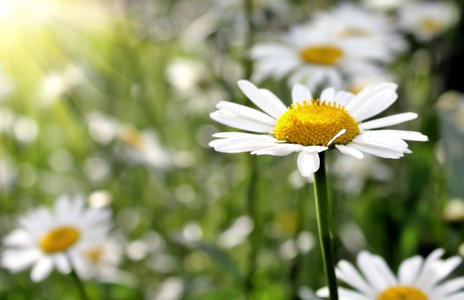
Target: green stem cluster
x: 323, y: 222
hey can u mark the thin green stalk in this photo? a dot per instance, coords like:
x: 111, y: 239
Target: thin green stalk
x: 251, y: 200
x: 77, y: 281
x: 323, y: 223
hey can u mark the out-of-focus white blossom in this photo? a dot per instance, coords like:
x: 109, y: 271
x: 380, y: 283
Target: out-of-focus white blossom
x: 427, y: 20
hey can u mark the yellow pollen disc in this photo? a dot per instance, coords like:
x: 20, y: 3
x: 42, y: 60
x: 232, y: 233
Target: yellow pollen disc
x: 59, y: 239
x: 93, y: 254
x: 323, y: 55
x: 315, y: 124
x: 353, y: 32
x: 431, y: 26
x: 131, y: 138
x: 402, y: 293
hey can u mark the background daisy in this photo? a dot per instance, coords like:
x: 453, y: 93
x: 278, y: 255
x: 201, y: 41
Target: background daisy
x: 418, y: 278
x: 47, y: 239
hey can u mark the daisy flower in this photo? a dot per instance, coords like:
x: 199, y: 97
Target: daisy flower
x: 315, y: 55
x: 100, y: 262
x: 48, y: 239
x: 335, y: 120
x: 418, y: 279
x: 426, y: 20
x: 350, y: 21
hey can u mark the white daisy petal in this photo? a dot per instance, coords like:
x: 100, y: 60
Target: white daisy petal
x: 240, y: 145
x: 327, y: 95
x: 233, y: 121
x: 18, y: 238
x: 373, y: 106
x: 343, y: 97
x: 279, y: 150
x: 41, y: 269
x: 401, y: 134
x: 441, y: 271
x: 336, y: 136
x: 268, y: 105
x: 62, y: 264
x: 427, y: 273
x: 274, y: 99
x: 18, y: 259
x: 409, y: 270
x: 245, y: 135
x: 377, y: 151
x: 346, y: 294
x: 245, y: 112
x: 388, y: 121
x: 345, y: 149
x: 447, y: 288
x: 300, y: 93
x: 366, y: 263
x: 308, y: 163
x: 458, y: 296
x: 347, y: 273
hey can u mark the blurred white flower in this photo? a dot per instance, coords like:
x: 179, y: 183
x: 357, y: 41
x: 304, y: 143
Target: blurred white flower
x: 141, y: 147
x: 384, y: 4
x: 454, y: 210
x: 426, y: 20
x: 48, y: 239
x: 193, y: 82
x: 315, y: 56
x: 100, y: 262
x: 352, y: 173
x: 236, y: 233
x: 171, y: 289
x: 418, y: 278
x: 144, y: 147
x: 353, y: 22
x: 25, y: 129
x: 360, y: 81
x: 57, y: 84
x: 7, y: 173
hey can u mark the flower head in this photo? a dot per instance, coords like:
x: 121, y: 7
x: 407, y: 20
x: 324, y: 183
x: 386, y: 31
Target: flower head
x: 353, y: 22
x: 335, y: 120
x: 315, y: 54
x: 46, y: 239
x: 426, y: 20
x: 418, y: 279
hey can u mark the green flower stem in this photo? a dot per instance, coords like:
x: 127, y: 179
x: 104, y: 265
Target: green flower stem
x: 323, y: 223
x: 77, y: 281
x: 251, y: 199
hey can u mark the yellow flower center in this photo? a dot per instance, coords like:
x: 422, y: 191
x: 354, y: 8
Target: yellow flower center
x: 323, y: 55
x: 93, y: 254
x: 315, y: 124
x: 59, y: 239
x: 353, y: 32
x: 131, y: 138
x: 402, y: 293
x: 431, y: 26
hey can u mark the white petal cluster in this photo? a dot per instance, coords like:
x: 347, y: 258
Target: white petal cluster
x: 425, y: 275
x: 22, y: 245
x: 386, y: 143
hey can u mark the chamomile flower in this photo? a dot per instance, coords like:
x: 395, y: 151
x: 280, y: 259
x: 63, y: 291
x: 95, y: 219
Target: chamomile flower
x: 335, y: 120
x: 352, y: 22
x: 315, y: 56
x: 426, y: 20
x: 48, y: 239
x: 418, y: 279
x: 100, y: 262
